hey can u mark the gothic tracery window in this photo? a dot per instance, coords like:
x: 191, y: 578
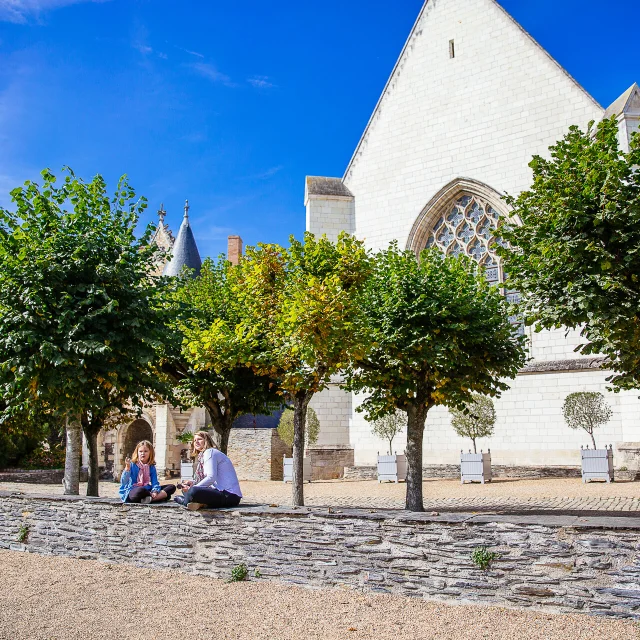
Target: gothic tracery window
x: 467, y: 228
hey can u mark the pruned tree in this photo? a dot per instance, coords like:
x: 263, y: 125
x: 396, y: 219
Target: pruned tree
x: 575, y: 257
x: 438, y: 331
x: 300, y: 314
x: 475, y: 420
x: 224, y: 385
x: 586, y: 410
x: 389, y: 426
x: 286, y: 427
x: 80, y: 314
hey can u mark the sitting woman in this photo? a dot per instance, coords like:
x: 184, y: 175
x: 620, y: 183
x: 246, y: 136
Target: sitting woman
x: 215, y: 483
x: 139, y: 481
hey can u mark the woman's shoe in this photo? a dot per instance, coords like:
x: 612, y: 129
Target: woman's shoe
x: 146, y: 500
x: 180, y: 500
x: 194, y: 506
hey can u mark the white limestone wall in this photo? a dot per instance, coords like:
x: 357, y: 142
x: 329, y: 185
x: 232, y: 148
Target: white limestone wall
x: 333, y: 407
x: 330, y: 215
x: 482, y: 115
x: 530, y: 429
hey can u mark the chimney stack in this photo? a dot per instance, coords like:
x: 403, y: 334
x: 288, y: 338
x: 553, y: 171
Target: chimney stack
x: 234, y: 249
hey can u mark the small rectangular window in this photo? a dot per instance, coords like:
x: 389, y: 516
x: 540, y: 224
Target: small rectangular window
x: 452, y: 49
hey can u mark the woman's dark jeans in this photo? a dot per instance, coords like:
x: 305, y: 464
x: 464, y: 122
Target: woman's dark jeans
x: 212, y: 497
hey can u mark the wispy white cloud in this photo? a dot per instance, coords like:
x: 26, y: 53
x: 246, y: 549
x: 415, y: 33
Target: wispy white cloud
x: 190, y: 52
x: 261, y: 82
x: 21, y: 11
x: 211, y: 73
x: 265, y: 175
x: 144, y: 49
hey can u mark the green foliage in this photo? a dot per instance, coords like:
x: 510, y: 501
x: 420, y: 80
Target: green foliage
x: 257, y: 573
x: 23, y: 532
x: 214, y: 375
x: 285, y: 427
x: 185, y: 437
x: 43, y: 458
x: 476, y: 420
x: 239, y: 573
x: 483, y: 558
x: 389, y: 426
x: 80, y: 314
x: 575, y: 256
x: 298, y: 317
x: 586, y: 410
x: 438, y: 333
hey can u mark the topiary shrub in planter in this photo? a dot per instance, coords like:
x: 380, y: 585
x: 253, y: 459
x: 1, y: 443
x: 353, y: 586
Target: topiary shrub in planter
x: 588, y: 410
x: 285, y: 431
x: 476, y: 420
x: 391, y: 467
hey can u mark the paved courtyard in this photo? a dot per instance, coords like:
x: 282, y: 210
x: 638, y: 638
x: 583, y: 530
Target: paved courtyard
x: 567, y: 494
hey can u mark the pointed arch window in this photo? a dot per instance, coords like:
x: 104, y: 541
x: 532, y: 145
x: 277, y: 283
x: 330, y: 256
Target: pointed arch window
x: 467, y: 228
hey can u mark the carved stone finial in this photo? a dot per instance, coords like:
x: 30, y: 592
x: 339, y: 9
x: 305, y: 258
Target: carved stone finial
x: 186, y: 208
x: 161, y: 213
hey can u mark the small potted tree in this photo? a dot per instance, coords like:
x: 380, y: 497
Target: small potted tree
x: 476, y: 420
x: 588, y: 410
x: 285, y: 431
x: 392, y: 466
x: 186, y: 465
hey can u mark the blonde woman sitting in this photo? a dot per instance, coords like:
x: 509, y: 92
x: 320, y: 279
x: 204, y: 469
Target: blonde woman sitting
x: 215, y: 483
x: 139, y: 481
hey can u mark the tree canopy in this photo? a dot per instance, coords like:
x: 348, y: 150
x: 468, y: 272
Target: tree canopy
x: 286, y: 430
x: 299, y: 321
x: 575, y: 257
x: 225, y: 386
x: 438, y: 333
x: 389, y: 426
x: 476, y: 420
x: 80, y: 320
x: 586, y: 410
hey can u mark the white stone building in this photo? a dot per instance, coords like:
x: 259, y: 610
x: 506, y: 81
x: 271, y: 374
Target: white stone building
x: 471, y: 99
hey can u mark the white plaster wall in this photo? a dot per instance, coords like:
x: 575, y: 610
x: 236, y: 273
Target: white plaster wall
x: 482, y: 114
x: 333, y: 407
x: 330, y: 215
x: 530, y: 429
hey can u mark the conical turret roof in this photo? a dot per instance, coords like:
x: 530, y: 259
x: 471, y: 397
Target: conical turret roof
x: 185, y: 251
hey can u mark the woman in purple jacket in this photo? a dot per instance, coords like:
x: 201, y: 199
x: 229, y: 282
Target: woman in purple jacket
x: 215, y: 483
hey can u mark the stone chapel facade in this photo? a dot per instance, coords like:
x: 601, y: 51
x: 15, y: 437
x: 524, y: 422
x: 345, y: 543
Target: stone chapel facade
x: 470, y: 100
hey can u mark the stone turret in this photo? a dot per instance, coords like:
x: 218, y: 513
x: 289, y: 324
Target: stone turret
x: 185, y: 251
x: 627, y: 111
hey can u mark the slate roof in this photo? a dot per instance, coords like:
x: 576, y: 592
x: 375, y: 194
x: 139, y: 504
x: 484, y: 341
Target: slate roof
x: 618, y: 107
x: 251, y: 421
x: 185, y: 251
x: 319, y: 186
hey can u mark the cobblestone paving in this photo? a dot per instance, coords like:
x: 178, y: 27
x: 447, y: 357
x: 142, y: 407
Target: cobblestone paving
x: 439, y: 495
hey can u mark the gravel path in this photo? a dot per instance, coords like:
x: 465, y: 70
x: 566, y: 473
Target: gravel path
x: 49, y: 598
x: 502, y: 494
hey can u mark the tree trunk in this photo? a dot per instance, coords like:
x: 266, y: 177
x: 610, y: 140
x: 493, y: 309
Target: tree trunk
x: 391, y: 447
x: 221, y: 423
x: 474, y: 445
x: 593, y: 439
x: 91, y: 429
x: 416, y: 417
x: 300, y: 404
x: 73, y: 456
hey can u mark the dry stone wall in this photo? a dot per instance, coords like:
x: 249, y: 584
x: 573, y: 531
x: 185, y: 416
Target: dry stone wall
x: 558, y: 562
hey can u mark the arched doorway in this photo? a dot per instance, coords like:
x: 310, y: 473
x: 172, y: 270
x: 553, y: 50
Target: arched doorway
x: 138, y: 430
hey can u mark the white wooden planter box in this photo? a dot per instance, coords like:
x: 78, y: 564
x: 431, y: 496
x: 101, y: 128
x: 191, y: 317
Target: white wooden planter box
x: 597, y: 464
x: 475, y: 467
x: 288, y: 469
x: 186, y: 471
x: 393, y: 468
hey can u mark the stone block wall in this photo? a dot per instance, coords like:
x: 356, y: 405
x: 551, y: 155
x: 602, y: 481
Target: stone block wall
x: 257, y: 453
x: 328, y: 463
x: 554, y: 562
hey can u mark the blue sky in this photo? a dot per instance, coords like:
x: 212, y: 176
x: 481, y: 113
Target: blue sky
x: 231, y: 103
